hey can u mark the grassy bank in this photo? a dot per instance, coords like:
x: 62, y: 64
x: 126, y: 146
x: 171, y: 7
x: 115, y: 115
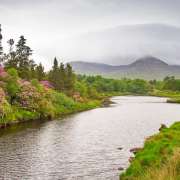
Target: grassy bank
x: 159, y: 159
x: 19, y: 115
x: 173, y: 96
x: 35, y: 102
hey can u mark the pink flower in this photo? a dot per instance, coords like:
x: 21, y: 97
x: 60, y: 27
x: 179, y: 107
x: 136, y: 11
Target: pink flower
x: 3, y: 73
x: 1, y: 69
x: 47, y: 84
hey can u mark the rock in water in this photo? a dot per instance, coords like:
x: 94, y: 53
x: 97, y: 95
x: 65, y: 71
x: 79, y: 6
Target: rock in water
x: 163, y: 126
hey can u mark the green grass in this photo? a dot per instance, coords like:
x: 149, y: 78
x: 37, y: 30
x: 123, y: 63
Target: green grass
x: 18, y: 115
x: 59, y: 109
x: 157, y: 152
x: 174, y: 96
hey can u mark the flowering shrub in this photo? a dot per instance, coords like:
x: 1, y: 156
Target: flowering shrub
x: 35, y: 99
x: 2, y: 84
x: 5, y: 107
x: 1, y: 69
x: 47, y: 84
x: 28, y: 97
x: 46, y: 108
x: 3, y: 73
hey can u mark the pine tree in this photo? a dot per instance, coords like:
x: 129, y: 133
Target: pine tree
x: 11, y: 43
x: 54, y: 75
x: 39, y: 70
x: 23, y: 53
x: 70, y: 79
x: 55, y: 64
x: 10, y: 59
x: 62, y: 76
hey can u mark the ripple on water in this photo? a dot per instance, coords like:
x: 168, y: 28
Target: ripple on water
x: 84, y: 146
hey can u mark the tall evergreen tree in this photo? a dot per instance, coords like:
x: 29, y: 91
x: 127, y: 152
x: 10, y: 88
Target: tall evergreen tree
x: 70, y: 79
x: 54, y: 75
x: 55, y: 64
x: 10, y: 59
x: 39, y: 71
x: 23, y: 53
x: 11, y: 43
x: 62, y: 77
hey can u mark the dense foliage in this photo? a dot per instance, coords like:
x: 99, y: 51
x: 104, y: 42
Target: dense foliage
x: 28, y: 92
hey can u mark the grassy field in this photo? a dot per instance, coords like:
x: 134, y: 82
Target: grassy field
x: 159, y: 159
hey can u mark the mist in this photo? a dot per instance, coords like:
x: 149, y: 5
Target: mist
x: 113, y: 32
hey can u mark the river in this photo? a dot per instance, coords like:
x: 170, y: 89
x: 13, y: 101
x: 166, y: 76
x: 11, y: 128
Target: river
x: 83, y: 146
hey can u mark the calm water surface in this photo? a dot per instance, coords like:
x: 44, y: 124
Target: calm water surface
x: 83, y: 146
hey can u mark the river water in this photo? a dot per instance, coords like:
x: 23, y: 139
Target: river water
x: 83, y: 146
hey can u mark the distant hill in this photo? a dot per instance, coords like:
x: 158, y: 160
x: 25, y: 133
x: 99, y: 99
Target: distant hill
x: 147, y: 67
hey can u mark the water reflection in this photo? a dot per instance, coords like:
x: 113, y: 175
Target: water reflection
x: 85, y: 145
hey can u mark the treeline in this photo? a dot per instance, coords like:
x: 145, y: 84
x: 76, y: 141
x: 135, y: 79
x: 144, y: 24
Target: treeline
x: 19, y: 58
x: 64, y: 79
x: 93, y: 85
x: 28, y: 92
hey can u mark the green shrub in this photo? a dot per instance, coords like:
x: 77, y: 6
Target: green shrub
x: 5, y: 107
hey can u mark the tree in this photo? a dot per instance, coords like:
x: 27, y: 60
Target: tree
x: 10, y: 58
x: 39, y: 71
x: 20, y: 58
x: 11, y: 43
x: 62, y: 77
x: 12, y: 85
x: 55, y: 64
x: 23, y: 53
x: 54, y: 75
x: 138, y: 86
x: 81, y: 87
x: 170, y: 83
x: 70, y: 79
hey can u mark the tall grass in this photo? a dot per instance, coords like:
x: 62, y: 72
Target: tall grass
x: 160, y: 154
x: 169, y: 171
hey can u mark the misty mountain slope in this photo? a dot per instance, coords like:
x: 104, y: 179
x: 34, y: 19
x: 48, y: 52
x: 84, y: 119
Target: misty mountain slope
x: 147, y: 68
x: 96, y: 68
x: 123, y: 44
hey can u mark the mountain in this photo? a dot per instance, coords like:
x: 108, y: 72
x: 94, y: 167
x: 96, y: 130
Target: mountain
x: 147, y: 67
x: 124, y: 44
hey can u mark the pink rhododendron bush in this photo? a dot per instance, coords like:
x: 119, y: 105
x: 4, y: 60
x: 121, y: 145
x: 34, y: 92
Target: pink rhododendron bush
x: 35, y: 98
x: 22, y: 100
x: 28, y: 96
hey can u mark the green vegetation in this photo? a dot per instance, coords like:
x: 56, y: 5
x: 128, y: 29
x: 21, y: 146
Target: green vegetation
x: 159, y: 159
x: 28, y: 92
x: 169, y: 87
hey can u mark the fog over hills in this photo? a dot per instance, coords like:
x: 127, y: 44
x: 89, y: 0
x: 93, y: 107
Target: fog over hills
x: 123, y: 44
x: 147, y: 67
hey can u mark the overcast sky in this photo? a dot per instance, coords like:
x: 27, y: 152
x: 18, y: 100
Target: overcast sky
x: 47, y: 23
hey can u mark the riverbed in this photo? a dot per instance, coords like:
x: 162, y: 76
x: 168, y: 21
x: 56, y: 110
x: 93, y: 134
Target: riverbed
x: 90, y: 145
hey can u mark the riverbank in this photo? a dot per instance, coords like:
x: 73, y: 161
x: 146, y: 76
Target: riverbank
x: 21, y: 115
x: 66, y: 106
x: 173, y: 96
x: 159, y: 159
